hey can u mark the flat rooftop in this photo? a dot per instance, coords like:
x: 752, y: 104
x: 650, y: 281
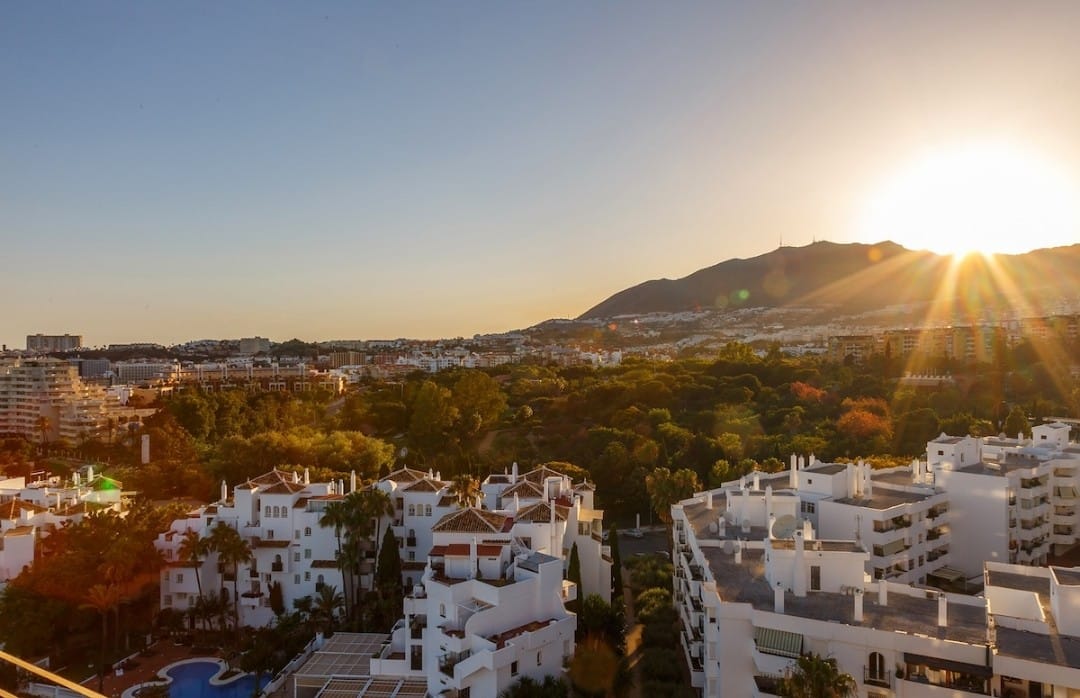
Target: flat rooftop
x: 1068, y: 576
x: 1061, y: 650
x: 1020, y: 582
x: 746, y: 583
x: 886, y: 499
x: 825, y: 468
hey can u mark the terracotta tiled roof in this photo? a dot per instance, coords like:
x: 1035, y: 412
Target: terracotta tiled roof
x: 586, y: 485
x: 540, y: 474
x: 474, y: 521
x: 425, y: 485
x: 182, y: 563
x: 20, y: 531
x: 523, y: 488
x: 541, y: 512
x: 261, y: 543
x: 10, y: 510
x: 462, y: 550
x: 323, y: 564
x: 284, y: 488
x: 272, y: 478
x: 405, y: 475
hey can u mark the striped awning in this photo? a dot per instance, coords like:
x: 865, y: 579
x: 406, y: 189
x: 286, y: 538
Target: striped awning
x: 779, y: 642
x: 893, y: 547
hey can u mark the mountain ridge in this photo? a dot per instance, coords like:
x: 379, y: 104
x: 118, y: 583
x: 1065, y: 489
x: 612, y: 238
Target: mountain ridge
x: 852, y: 278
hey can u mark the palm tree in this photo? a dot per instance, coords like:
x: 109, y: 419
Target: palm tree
x: 326, y: 605
x: 103, y: 599
x: 336, y: 514
x: 193, y: 548
x: 817, y: 677
x: 465, y: 489
x: 44, y: 426
x: 232, y: 551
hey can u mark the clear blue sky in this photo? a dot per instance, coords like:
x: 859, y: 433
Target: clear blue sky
x: 171, y: 171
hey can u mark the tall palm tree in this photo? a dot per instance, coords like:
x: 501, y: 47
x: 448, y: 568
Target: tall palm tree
x: 232, y: 551
x: 336, y: 515
x: 103, y: 599
x: 193, y: 548
x: 818, y: 677
x: 465, y: 489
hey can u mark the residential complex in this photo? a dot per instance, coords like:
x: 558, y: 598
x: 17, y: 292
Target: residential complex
x: 44, y: 399
x: 486, y: 593
x: 861, y: 566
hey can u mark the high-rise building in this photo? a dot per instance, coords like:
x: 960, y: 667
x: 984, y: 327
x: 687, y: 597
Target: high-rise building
x: 53, y: 342
x: 254, y: 345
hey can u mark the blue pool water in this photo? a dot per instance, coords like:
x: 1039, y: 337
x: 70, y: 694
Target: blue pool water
x: 192, y: 680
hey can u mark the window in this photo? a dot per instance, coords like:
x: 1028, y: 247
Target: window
x: 307, y: 530
x: 538, y: 659
x: 412, y: 510
x: 815, y: 578
x: 179, y: 577
x: 296, y: 579
x: 808, y: 507
x: 296, y: 556
x: 307, y: 553
x: 307, y: 576
x: 427, y: 510
x: 442, y: 610
x: 297, y: 536
x: 513, y: 668
x: 875, y: 667
x: 266, y: 511
x: 941, y: 453
x: 412, y: 556
x: 167, y: 601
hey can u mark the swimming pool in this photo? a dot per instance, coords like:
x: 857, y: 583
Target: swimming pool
x: 193, y: 679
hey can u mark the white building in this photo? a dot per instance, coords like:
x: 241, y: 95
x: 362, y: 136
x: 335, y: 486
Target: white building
x: 752, y: 601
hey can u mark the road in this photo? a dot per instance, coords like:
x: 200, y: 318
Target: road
x: 655, y: 539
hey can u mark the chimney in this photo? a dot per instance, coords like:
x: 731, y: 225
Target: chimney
x: 474, y: 559
x: 883, y: 593
x: 738, y: 552
x: 858, y: 605
x: 307, y: 476
x: 852, y: 486
x: 514, y: 474
x: 768, y: 505
x: 517, y: 503
x: 757, y: 481
x: 793, y: 481
x: 942, y: 611
x: 721, y: 527
x: 811, y: 461
x: 224, y: 492
x: 352, y: 481
x: 915, y: 470
x: 778, y: 598
x: 708, y: 499
x: 296, y: 478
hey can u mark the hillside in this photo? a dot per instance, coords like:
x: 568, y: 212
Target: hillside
x: 856, y: 277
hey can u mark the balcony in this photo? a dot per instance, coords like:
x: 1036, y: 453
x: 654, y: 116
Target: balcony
x: 449, y: 661
x: 410, y: 542
x: 277, y: 567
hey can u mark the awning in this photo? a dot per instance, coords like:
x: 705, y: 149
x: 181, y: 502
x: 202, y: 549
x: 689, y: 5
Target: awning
x: 948, y: 574
x: 893, y: 547
x: 979, y: 670
x: 1065, y: 492
x: 778, y: 642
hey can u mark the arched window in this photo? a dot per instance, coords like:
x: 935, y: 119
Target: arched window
x: 320, y: 580
x: 876, y: 667
x: 427, y: 510
x: 307, y: 530
x: 412, y: 510
x: 442, y: 610
x: 266, y: 511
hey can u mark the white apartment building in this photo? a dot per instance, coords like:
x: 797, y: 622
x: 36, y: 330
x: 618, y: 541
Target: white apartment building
x: 488, y: 609
x: 31, y: 389
x: 278, y: 515
x: 753, y: 600
x: 53, y: 342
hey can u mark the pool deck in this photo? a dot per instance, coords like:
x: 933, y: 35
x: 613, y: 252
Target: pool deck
x: 163, y: 653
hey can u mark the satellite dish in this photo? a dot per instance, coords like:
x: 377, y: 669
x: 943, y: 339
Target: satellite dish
x: 784, y: 527
x: 729, y: 547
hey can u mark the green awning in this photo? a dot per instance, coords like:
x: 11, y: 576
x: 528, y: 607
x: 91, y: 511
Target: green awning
x: 778, y: 642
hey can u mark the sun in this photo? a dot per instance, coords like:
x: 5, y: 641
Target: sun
x: 981, y: 197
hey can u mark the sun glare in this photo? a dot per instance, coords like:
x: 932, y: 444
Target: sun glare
x: 986, y: 198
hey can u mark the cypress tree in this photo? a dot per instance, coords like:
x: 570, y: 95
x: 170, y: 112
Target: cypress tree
x: 616, y: 568
x: 573, y: 573
x: 388, y: 579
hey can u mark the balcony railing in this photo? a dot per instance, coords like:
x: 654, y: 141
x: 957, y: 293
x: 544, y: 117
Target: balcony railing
x: 277, y: 566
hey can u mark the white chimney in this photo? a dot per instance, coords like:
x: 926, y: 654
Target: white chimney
x: 296, y: 478
x: 224, y: 492
x: 757, y: 481
x: 738, y: 552
x: 811, y: 461
x: 915, y: 470
x: 793, y: 481
x: 708, y: 500
x: 517, y: 503
x: 942, y: 611
x: 883, y: 593
x: 778, y: 598
x: 514, y: 474
x: 768, y: 505
x: 473, y: 559
x: 868, y: 489
x: 352, y: 481
x: 307, y: 476
x: 858, y: 606
x: 852, y: 485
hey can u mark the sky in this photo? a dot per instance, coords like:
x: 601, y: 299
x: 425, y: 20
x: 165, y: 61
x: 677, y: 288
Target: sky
x: 175, y: 171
